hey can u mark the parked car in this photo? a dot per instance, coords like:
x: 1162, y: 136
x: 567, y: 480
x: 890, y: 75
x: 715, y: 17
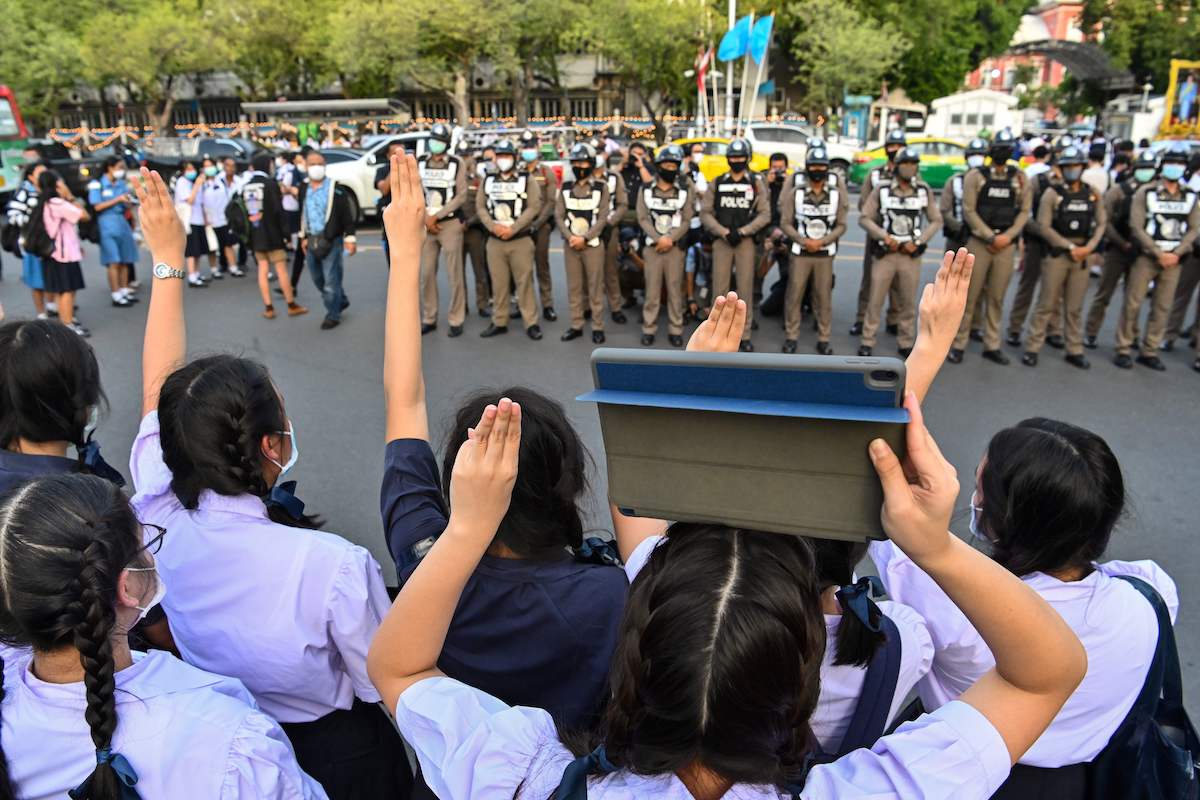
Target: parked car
x: 941, y: 159
x: 358, y: 173
x: 74, y: 167
x: 166, y: 153
x: 792, y: 141
x: 713, y: 163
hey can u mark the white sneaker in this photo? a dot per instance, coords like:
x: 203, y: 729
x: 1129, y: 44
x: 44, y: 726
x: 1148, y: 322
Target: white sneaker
x: 43, y: 315
x: 79, y: 329
x: 237, y: 273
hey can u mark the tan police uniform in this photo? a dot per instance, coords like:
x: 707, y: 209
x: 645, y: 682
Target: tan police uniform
x: 994, y: 202
x: 475, y: 238
x: 618, y: 204
x: 1162, y: 222
x: 444, y: 178
x: 664, y: 213
x: 1189, y: 279
x: 1066, y: 218
x: 1120, y: 251
x: 547, y: 185
x: 510, y: 200
x: 1036, y: 251
x: 877, y: 177
x: 581, y: 209
x: 906, y: 213
x: 808, y: 213
x: 742, y: 205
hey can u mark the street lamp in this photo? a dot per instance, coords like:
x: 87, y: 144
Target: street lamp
x: 1146, y: 89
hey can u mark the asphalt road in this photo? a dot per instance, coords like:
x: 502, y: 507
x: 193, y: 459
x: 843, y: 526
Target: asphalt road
x: 331, y: 385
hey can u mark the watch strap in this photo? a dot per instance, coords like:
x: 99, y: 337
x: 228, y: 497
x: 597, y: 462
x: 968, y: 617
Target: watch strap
x: 170, y: 271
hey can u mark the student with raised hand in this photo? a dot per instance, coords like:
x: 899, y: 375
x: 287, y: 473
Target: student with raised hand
x: 257, y: 592
x: 540, y: 581
x: 86, y: 715
x: 716, y: 675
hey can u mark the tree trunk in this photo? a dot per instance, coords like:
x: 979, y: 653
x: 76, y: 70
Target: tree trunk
x: 660, y: 130
x: 522, y: 82
x: 460, y: 97
x: 160, y: 116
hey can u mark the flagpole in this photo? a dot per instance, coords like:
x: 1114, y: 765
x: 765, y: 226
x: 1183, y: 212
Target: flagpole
x: 729, y: 69
x: 745, y: 74
x: 758, y: 77
x: 716, y: 103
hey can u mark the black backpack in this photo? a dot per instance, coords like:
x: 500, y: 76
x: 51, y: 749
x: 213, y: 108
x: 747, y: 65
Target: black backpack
x: 37, y: 238
x: 10, y: 239
x: 238, y: 218
x: 89, y: 228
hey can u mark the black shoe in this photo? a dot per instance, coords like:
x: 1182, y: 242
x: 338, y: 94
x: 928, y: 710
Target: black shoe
x: 1029, y: 359
x: 549, y: 314
x: 1090, y: 342
x: 572, y: 333
x: 1012, y: 340
x: 856, y: 329
x: 892, y: 330
x: 864, y: 351
x: 1153, y: 362
x: 597, y: 337
x: 955, y: 356
x: 1168, y: 346
x: 996, y: 357
x: 619, y: 317
x: 1056, y: 341
x: 824, y: 349
x: 647, y: 339
x: 493, y: 330
x: 345, y: 302
x: 485, y: 312
x: 905, y: 352
x: 746, y: 346
x: 629, y: 303
x: 455, y: 331
x: 1079, y: 361
x: 534, y: 332
x: 428, y: 327
x: 1123, y: 361
x: 977, y: 336
x: 329, y: 324
x: 675, y: 340
x: 789, y: 346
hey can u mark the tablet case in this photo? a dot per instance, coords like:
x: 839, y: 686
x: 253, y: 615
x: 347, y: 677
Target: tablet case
x: 751, y: 440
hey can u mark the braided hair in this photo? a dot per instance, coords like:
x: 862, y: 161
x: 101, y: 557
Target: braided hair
x: 719, y: 659
x: 64, y: 542
x: 213, y: 414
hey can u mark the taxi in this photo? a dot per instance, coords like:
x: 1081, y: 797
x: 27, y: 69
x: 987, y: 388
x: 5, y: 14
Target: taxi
x: 941, y: 159
x: 713, y: 163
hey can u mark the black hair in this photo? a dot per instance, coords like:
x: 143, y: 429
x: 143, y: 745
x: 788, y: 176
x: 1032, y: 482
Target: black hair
x: 64, y: 542
x: 262, y: 162
x: 1052, y: 493
x: 1122, y: 158
x: 543, y: 517
x: 49, y: 383
x: 1041, y: 151
x: 778, y: 157
x: 27, y: 170
x: 47, y: 184
x: 718, y: 661
x: 213, y: 414
x: 110, y: 162
x: 836, y: 559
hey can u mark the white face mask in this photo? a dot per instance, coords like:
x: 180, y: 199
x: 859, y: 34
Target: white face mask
x: 975, y: 161
x: 93, y: 420
x: 976, y: 510
x: 504, y: 163
x: 160, y: 591
x: 118, y: 174
x: 317, y: 172
x: 291, y: 462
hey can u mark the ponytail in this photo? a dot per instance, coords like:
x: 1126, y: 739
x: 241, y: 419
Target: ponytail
x: 858, y: 635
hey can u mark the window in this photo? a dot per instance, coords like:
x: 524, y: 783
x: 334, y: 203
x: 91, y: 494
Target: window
x: 987, y: 120
x: 8, y: 120
x: 219, y: 149
x: 438, y: 110
x: 582, y: 107
x: 920, y: 147
x: 972, y: 119
x: 779, y: 135
x: 952, y: 149
x: 956, y: 119
x: 551, y: 107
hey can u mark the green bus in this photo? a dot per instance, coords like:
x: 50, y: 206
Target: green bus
x: 14, y: 137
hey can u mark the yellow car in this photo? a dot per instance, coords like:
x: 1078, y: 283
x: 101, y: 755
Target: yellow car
x: 714, y: 163
x: 941, y: 159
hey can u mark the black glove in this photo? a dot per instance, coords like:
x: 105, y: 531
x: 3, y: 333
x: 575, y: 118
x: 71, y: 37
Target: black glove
x: 733, y: 237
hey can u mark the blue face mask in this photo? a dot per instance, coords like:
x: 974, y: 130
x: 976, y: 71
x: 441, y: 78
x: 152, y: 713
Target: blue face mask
x: 436, y: 147
x: 291, y: 462
x: 1143, y: 175
x: 529, y: 155
x: 190, y: 174
x: 1173, y: 172
x: 976, y: 510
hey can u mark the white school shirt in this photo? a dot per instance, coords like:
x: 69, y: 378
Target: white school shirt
x: 214, y: 197
x: 1114, y: 622
x: 188, y: 734
x: 287, y: 175
x: 290, y: 612
x: 183, y: 190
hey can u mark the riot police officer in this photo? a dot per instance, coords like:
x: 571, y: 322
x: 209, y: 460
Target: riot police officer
x: 900, y: 217
x: 444, y: 178
x: 813, y: 215
x: 880, y: 176
x: 547, y: 183
x: 734, y: 208
x: 1165, y: 221
x: 996, y: 205
x: 664, y: 211
x: 618, y: 204
x: 509, y: 200
x: 1120, y: 248
x: 581, y: 210
x: 1071, y: 218
x: 474, y: 234
x: 954, y: 227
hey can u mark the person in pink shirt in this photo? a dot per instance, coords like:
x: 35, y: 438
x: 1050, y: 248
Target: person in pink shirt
x: 61, y: 215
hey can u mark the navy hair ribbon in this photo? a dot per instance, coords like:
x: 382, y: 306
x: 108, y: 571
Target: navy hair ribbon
x: 856, y: 598
x: 574, y: 780
x: 595, y: 550
x: 283, y: 495
x: 126, y: 776
x: 89, y: 454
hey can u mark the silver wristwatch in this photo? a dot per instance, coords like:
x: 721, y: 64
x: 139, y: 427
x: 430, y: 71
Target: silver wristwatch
x: 164, y: 271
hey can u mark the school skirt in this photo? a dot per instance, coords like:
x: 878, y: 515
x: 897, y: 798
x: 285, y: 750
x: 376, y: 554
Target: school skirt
x: 1044, y: 783
x: 197, y: 242
x: 61, y: 276
x: 31, y: 271
x: 355, y: 754
x: 116, y: 241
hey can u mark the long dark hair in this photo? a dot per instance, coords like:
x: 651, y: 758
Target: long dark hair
x: 47, y: 184
x: 543, y: 518
x: 1052, y: 495
x: 213, y: 413
x: 49, y: 383
x: 719, y: 659
x: 836, y: 559
x: 64, y: 541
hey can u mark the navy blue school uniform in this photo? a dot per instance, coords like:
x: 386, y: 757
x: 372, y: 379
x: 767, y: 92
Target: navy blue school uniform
x: 17, y: 468
x: 537, y: 633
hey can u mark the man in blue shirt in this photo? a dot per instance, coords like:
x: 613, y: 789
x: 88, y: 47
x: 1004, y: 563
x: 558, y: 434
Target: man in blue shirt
x: 326, y: 228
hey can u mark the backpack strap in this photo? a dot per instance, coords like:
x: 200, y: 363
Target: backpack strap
x: 879, y: 689
x: 1163, y: 680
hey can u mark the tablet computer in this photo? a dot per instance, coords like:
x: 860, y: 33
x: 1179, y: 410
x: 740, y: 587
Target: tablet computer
x: 750, y: 440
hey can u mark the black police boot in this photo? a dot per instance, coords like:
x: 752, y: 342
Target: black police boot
x: 1153, y: 362
x: 1079, y: 361
x: 619, y: 317
x: 647, y: 339
x: 864, y: 350
x: 571, y: 333
x: 1012, y: 340
x: 1123, y: 361
x: 996, y: 357
x: 675, y: 340
x: 856, y: 329
x: 789, y: 346
x: 892, y: 330
x: 455, y: 331
x: 534, y: 332
x: 824, y: 349
x: 549, y: 314
x: 1029, y: 359
x: 428, y: 327
x: 1090, y: 342
x: 955, y: 356
x: 977, y: 335
x: 493, y: 330
x: 1056, y: 341
x: 597, y: 337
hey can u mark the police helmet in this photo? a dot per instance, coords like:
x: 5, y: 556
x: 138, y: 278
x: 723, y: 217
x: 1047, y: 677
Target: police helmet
x: 907, y: 156
x: 671, y: 152
x: 1175, y: 154
x: 1071, y: 156
x: 1146, y: 160
x: 440, y: 132
x: 739, y: 148
x: 1063, y: 142
x: 896, y: 136
x: 582, y: 151
x: 977, y: 147
x: 529, y: 139
x: 505, y: 147
x: 816, y: 142
x: 817, y: 157
x: 1004, y: 137
x: 463, y: 148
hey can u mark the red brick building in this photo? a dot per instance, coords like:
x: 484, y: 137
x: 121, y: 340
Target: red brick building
x: 1055, y: 19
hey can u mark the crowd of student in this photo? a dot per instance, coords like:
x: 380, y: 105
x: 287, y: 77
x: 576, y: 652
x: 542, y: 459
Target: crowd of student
x: 207, y: 638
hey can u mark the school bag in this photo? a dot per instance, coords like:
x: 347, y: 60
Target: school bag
x: 10, y: 239
x: 37, y: 238
x: 89, y: 228
x: 237, y: 218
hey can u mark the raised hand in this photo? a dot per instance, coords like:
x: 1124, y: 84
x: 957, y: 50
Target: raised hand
x: 945, y: 300
x: 404, y: 217
x: 722, y: 331
x: 160, y: 223
x: 485, y: 471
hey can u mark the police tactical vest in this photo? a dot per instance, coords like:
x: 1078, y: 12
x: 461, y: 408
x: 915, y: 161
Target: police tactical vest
x: 879, y: 178
x: 1166, y: 219
x: 582, y: 211
x: 1075, y: 217
x: 956, y: 187
x: 611, y: 178
x: 666, y: 213
x: 999, y: 199
x: 1120, y: 221
x: 734, y: 205
x: 506, y: 199
x: 815, y: 220
x: 902, y: 216
x: 439, y: 183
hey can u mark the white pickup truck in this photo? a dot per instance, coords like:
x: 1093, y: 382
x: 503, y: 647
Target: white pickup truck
x: 792, y: 141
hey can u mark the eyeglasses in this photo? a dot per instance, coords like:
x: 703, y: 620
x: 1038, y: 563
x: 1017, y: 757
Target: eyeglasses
x: 152, y: 535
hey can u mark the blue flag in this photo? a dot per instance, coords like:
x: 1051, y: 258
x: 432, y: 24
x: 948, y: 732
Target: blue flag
x: 736, y: 42
x: 761, y: 37
x: 767, y: 88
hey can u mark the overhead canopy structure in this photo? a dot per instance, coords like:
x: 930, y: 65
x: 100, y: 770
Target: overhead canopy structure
x: 1085, y: 60
x: 329, y: 109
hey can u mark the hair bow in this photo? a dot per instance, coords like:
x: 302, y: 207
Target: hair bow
x: 856, y: 598
x: 89, y: 454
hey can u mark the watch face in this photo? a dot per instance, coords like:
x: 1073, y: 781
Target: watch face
x: 161, y: 270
